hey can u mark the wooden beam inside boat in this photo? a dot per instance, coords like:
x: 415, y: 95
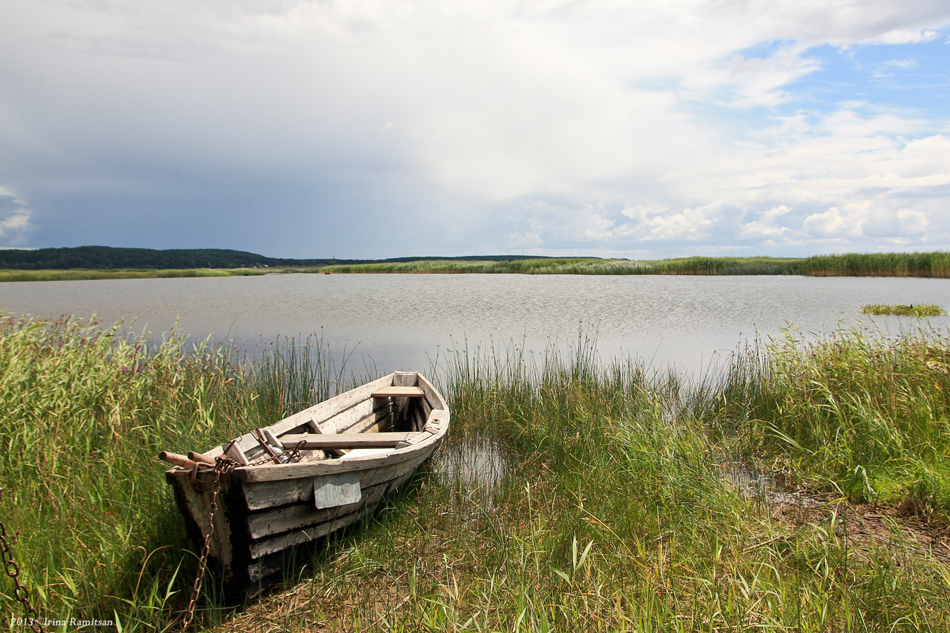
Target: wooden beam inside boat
x: 399, y: 392
x: 342, y: 441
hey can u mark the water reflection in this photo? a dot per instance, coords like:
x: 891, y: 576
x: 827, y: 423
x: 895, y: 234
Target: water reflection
x: 770, y: 488
x: 475, y: 464
x: 753, y: 483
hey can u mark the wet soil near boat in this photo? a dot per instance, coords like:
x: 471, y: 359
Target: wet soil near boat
x: 861, y: 527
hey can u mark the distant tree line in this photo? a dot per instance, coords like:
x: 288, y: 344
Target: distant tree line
x: 109, y: 258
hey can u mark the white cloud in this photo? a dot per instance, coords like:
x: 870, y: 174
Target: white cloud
x: 767, y: 226
x: 14, y: 218
x: 557, y: 124
x: 833, y: 223
x: 861, y: 220
x: 688, y: 224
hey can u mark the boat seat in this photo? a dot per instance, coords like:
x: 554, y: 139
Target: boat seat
x: 399, y: 392
x: 350, y: 440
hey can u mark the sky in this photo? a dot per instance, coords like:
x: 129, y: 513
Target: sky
x: 386, y: 128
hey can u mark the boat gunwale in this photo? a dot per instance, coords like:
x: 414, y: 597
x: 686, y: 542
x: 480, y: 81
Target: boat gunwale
x: 275, y: 472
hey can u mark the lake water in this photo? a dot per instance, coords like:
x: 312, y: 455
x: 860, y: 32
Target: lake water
x: 409, y: 321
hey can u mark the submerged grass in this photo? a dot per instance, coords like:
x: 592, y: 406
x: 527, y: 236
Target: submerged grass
x: 920, y: 310
x: 605, y: 509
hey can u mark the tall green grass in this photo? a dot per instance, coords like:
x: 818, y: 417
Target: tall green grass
x: 920, y: 310
x: 861, y: 413
x: 85, y: 412
x: 878, y: 265
x: 613, y: 514
x: 854, y: 265
x: 583, y: 266
x: 607, y: 508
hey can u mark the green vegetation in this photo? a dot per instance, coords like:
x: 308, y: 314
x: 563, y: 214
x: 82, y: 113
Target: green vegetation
x: 584, y: 266
x: 888, y: 265
x: 609, y: 506
x: 85, y: 413
x: 866, y: 417
x: 108, y: 258
x: 878, y: 265
x: 77, y: 274
x: 920, y: 310
x: 100, y: 262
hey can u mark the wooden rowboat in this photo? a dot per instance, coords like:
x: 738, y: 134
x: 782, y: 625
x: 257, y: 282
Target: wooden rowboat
x: 310, y: 474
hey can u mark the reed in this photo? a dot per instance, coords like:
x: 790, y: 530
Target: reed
x: 935, y: 264
x: 860, y: 413
x: 883, y: 264
x: 569, y: 495
x: 86, y: 411
x: 583, y: 266
x: 609, y: 511
x: 878, y: 265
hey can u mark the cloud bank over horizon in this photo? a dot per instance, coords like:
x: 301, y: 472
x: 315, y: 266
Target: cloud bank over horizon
x: 383, y: 129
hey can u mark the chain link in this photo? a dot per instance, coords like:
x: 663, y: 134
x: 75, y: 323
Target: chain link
x: 223, y: 465
x: 20, y: 592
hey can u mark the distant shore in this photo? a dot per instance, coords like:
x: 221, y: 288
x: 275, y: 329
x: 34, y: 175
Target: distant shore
x: 86, y: 274
x: 933, y: 265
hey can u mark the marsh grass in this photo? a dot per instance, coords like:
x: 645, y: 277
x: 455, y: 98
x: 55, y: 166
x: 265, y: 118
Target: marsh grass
x: 85, y: 412
x: 583, y: 266
x: 853, y: 265
x: 920, y: 310
x: 612, y: 515
x: 860, y: 413
x: 935, y: 264
x: 606, y: 509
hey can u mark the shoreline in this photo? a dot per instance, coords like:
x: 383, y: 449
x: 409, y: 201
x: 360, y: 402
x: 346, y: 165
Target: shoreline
x: 924, y: 265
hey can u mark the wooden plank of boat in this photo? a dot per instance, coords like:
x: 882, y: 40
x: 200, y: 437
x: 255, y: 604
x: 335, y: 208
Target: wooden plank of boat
x: 271, y: 494
x: 347, y: 514
x: 349, y: 417
x: 319, y: 412
x: 299, y: 515
x: 269, y: 564
x: 345, y: 440
x: 399, y: 392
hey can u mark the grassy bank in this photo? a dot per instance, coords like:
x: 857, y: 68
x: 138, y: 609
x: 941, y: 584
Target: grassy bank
x: 569, y: 495
x: 85, y: 412
x: 614, y: 514
x: 855, y: 265
x: 80, y: 274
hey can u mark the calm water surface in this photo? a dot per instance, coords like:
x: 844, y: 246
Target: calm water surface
x: 409, y: 321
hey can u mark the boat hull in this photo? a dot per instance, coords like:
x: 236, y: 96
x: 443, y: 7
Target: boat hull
x: 267, y: 510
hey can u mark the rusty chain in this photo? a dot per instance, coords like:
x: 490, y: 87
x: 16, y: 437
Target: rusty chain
x: 13, y: 571
x: 223, y: 465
